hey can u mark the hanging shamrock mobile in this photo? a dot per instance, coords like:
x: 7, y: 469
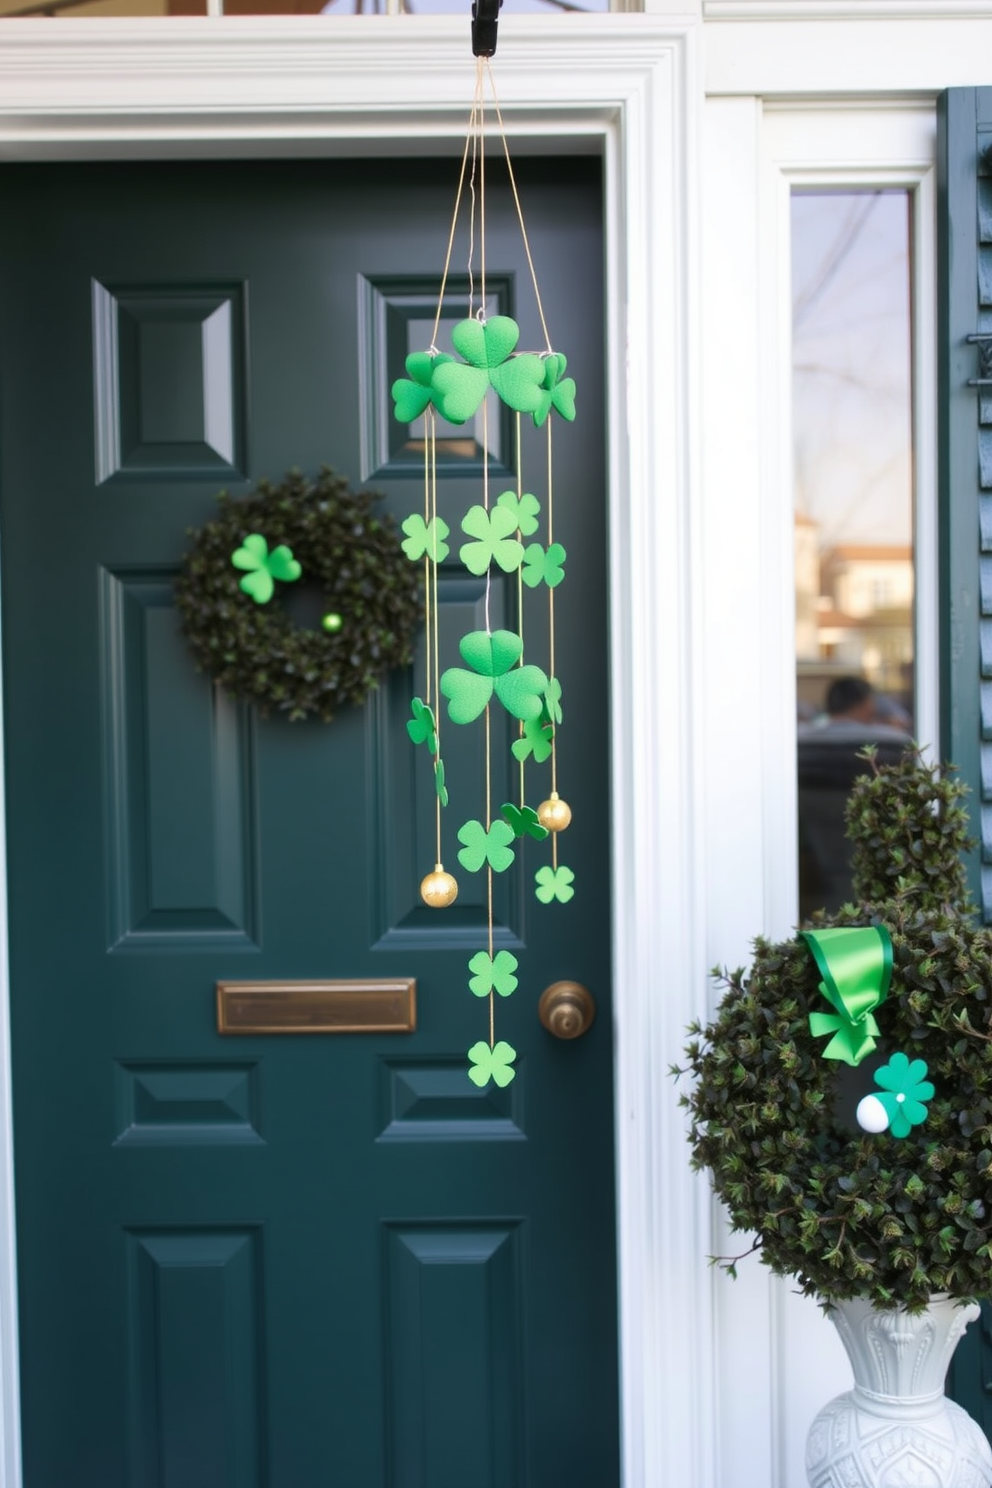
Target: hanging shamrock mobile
x: 497, y: 673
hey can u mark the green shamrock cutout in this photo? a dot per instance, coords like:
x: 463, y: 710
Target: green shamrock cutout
x: 552, y: 701
x: 485, y: 847
x: 439, y: 786
x: 523, y: 819
x: 425, y: 539
x: 544, y: 567
x: 493, y: 658
x: 459, y: 387
x: 905, y: 1093
x: 535, y: 740
x: 492, y: 1064
x: 555, y: 393
x: 412, y: 398
x: 555, y: 883
x: 421, y: 727
x: 493, y: 975
x: 264, y: 567
x: 525, y: 509
x: 493, y: 543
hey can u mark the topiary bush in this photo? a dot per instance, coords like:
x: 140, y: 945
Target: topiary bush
x: 848, y: 1213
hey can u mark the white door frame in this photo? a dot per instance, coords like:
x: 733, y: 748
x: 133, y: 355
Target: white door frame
x: 627, y: 86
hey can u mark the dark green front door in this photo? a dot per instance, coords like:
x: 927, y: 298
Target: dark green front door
x: 279, y: 1261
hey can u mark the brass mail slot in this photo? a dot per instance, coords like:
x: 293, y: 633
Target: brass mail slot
x: 362, y: 1006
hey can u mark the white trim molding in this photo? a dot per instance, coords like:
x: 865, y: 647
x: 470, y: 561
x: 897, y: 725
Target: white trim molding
x: 628, y: 86
x: 775, y: 1351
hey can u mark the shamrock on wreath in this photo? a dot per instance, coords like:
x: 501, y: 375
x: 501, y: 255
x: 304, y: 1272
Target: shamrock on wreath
x: 243, y: 637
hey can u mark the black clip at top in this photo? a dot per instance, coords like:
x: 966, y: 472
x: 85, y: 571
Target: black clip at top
x: 485, y: 15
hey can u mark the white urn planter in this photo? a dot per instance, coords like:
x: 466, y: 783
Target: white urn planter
x: 896, y: 1428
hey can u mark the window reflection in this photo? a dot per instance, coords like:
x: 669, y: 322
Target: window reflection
x: 853, y: 486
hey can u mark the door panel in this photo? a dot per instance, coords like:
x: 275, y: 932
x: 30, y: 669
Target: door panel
x: 277, y: 1261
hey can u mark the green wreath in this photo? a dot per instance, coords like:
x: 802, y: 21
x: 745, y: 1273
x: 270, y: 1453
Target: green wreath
x: 228, y: 596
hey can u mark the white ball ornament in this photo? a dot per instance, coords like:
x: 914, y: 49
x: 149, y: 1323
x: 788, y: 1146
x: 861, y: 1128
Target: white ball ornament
x: 872, y: 1115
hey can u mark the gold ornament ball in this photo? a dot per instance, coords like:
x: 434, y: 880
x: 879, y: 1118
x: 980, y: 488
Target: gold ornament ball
x: 554, y: 813
x: 332, y: 622
x: 438, y: 889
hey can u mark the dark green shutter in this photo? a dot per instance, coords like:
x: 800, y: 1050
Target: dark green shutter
x: 964, y: 299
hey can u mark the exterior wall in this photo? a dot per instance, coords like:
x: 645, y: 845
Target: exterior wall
x: 705, y: 117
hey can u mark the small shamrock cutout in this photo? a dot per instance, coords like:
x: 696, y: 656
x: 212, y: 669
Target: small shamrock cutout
x: 493, y: 543
x: 555, y: 393
x: 439, y: 786
x: 905, y: 1091
x: 425, y: 539
x: 544, y: 566
x: 492, y: 657
x: 485, y: 847
x: 535, y: 740
x: 555, y: 883
x: 552, y: 701
x: 523, y: 819
x: 421, y: 727
x: 459, y: 387
x: 412, y: 398
x: 493, y: 975
x: 492, y: 1064
x: 264, y: 567
x: 525, y: 509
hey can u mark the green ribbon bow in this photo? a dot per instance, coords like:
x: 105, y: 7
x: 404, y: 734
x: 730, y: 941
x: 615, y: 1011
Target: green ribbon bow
x: 856, y: 966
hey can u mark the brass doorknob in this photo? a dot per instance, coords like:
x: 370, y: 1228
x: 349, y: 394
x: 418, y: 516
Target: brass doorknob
x: 566, y: 1009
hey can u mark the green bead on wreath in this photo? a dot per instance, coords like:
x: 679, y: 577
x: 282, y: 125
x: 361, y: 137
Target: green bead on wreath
x: 342, y: 543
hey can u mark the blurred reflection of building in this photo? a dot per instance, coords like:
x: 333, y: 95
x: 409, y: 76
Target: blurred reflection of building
x: 854, y: 615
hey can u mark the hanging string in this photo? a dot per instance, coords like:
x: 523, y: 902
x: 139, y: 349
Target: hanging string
x: 454, y: 220
x: 520, y: 213
x: 427, y: 556
x: 433, y: 615
x: 551, y: 641
x: 520, y: 596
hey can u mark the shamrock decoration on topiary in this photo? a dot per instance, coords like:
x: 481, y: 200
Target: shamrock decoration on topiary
x: 239, y: 631
x: 901, y: 1209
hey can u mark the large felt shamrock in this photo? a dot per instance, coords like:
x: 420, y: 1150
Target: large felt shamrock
x: 555, y: 883
x: 264, y: 567
x: 492, y: 657
x: 413, y: 397
x: 485, y: 847
x: 535, y: 740
x: 555, y: 393
x: 905, y: 1089
x: 544, y: 566
x: 525, y: 509
x: 493, y: 543
x: 493, y: 974
x: 523, y: 819
x: 421, y: 727
x: 492, y: 1064
x: 425, y: 538
x: 459, y: 387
